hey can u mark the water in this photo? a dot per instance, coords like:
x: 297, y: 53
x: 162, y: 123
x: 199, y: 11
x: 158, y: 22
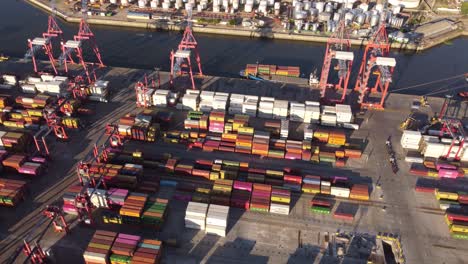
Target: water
x: 225, y: 56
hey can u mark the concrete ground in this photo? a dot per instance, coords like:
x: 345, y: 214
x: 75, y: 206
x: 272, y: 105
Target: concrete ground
x: 252, y: 237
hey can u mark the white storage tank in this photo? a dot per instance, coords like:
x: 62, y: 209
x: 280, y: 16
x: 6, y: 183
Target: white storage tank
x: 307, y: 5
x: 360, y: 19
x: 300, y: 15
x: 396, y: 10
x: 141, y: 3
x: 225, y: 3
x: 313, y: 12
x: 298, y: 6
x: 349, y: 16
x: 364, y: 7
x: 166, y: 5
x: 336, y: 17
x: 320, y: 6
x: 277, y: 6
x: 379, y: 7
x: 154, y: 4
x: 248, y: 8
x: 113, y: 2
x: 329, y: 7
x: 374, y: 20
x: 271, y: 2
x: 324, y: 16
x: 315, y: 27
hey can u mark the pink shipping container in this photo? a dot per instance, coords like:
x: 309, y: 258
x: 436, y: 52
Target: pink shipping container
x: 448, y: 173
x: 132, y: 242
x: 280, y: 192
x: 445, y: 166
x: 293, y: 156
x: 247, y: 186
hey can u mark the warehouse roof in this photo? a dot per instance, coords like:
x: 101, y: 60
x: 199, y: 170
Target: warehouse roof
x: 436, y: 27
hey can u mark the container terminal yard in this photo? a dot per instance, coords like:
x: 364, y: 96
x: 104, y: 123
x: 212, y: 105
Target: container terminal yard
x: 119, y: 165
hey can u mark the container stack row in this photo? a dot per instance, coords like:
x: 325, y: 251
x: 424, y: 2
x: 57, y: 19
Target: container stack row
x: 267, y: 107
x: 195, y: 215
x: 211, y: 218
x: 139, y: 127
x: 22, y: 164
x: 217, y: 219
x: 109, y: 247
x: 11, y: 192
x: 234, y: 179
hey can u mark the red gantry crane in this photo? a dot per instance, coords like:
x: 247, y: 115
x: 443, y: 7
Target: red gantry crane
x: 98, y: 155
x: 143, y: 89
x: 375, y: 62
x: 31, y: 244
x: 181, y: 59
x: 338, y: 46
x: 85, y: 35
x: 44, y: 43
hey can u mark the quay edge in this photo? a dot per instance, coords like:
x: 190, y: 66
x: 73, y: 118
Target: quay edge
x: 245, y: 33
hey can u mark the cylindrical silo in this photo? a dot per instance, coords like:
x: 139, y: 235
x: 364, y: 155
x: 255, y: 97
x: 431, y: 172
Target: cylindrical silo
x: 360, y: 18
x: 314, y: 12
x: 324, y: 16
x: 320, y: 6
x: 374, y: 20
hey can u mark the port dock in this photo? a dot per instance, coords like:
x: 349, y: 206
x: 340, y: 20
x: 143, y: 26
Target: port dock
x: 252, y: 237
x: 120, y: 20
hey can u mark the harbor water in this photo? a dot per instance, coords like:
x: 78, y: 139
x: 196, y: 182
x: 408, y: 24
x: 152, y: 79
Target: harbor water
x: 225, y: 56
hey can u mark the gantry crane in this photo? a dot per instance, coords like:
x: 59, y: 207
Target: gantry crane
x: 142, y: 88
x: 85, y: 35
x: 99, y: 155
x: 338, y: 46
x: 52, y: 114
x: 376, y: 62
x: 31, y: 243
x: 44, y: 43
x: 181, y: 59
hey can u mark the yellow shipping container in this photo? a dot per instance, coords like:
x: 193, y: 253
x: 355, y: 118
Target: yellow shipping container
x: 214, y: 175
x: 13, y: 124
x: 222, y: 188
x: 359, y: 197
x: 433, y: 173
x: 274, y: 173
x: 245, y: 130
x: 281, y: 199
x: 16, y: 116
x: 447, y: 220
x: 203, y: 190
x: 229, y: 136
x: 459, y: 228
x: 446, y: 195
x: 310, y: 190
x: 100, y: 246
x: 244, y: 144
x: 244, y: 164
x: 127, y: 213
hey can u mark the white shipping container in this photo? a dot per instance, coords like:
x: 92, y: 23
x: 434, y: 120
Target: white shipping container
x: 340, y: 192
